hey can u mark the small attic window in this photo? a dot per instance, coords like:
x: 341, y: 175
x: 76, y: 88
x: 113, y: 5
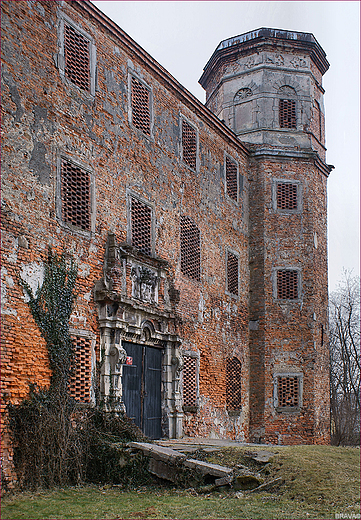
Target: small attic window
x: 189, y: 145
x: 231, y: 179
x: 140, y: 100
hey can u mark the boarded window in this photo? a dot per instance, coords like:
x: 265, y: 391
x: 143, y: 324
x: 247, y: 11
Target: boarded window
x: 287, y: 113
x: 190, y: 382
x: 80, y: 385
x: 75, y: 196
x: 140, y: 106
x: 286, y: 196
x: 141, y: 223
x: 189, y: 145
x: 233, y: 384
x: 288, y: 392
x: 190, y: 249
x: 77, y: 59
x: 287, y: 285
x: 232, y: 273
x: 231, y: 179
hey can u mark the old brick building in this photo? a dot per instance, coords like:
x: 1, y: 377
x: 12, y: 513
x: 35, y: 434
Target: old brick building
x: 199, y: 231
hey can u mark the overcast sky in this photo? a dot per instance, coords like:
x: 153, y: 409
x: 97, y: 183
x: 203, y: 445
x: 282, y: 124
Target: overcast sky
x: 182, y: 36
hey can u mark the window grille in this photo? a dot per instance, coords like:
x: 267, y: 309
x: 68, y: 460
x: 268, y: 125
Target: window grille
x: 140, y: 106
x: 286, y: 196
x: 189, y: 145
x: 287, y: 113
x: 190, y: 249
x: 233, y: 384
x: 75, y: 196
x: 77, y: 59
x: 287, y: 285
x: 231, y: 179
x: 288, y: 392
x: 141, y: 218
x: 80, y: 383
x: 190, y: 381
x: 232, y: 273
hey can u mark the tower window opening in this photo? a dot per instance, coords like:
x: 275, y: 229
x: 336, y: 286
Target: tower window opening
x: 190, y: 249
x: 77, y: 58
x: 75, y: 195
x: 287, y: 113
x: 140, y: 106
x: 287, y: 285
x: 286, y: 196
x: 288, y: 392
x: 141, y: 224
x: 189, y: 145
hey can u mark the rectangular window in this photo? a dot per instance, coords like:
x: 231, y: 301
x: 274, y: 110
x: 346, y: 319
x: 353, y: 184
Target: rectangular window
x: 141, y: 226
x: 231, y: 179
x: 190, y: 382
x: 140, y: 106
x: 288, y: 392
x: 75, y: 196
x: 287, y: 285
x: 190, y: 248
x: 287, y: 113
x: 77, y: 57
x: 189, y: 145
x: 233, y: 384
x: 232, y: 273
x: 80, y: 385
x: 286, y: 195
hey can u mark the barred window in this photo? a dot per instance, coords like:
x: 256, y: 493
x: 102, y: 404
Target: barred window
x: 189, y: 145
x: 190, y: 248
x: 77, y: 57
x: 287, y: 113
x: 140, y: 106
x: 231, y: 179
x: 190, y: 381
x: 232, y: 273
x: 80, y: 384
x: 287, y: 285
x: 233, y: 384
x: 141, y: 225
x: 75, y: 196
x: 288, y: 390
x: 286, y: 196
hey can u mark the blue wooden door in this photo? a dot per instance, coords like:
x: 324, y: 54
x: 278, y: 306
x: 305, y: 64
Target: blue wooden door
x: 142, y: 387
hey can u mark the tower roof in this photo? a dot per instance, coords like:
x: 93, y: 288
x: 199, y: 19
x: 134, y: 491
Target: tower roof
x: 265, y: 36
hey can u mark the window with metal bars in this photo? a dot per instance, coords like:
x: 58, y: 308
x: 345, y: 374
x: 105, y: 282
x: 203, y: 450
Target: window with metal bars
x: 141, y: 226
x: 140, y: 96
x: 75, y: 196
x: 231, y: 179
x: 232, y: 273
x: 190, y: 248
x: 288, y: 392
x: 233, y: 384
x: 287, y: 113
x: 80, y: 384
x: 190, y: 382
x: 287, y: 285
x: 77, y: 57
x: 189, y: 145
x: 286, y: 195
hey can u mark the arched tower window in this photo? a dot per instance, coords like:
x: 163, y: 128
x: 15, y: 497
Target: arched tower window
x: 287, y: 107
x: 233, y: 384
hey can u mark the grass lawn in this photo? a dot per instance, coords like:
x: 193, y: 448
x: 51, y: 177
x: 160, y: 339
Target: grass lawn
x: 320, y: 482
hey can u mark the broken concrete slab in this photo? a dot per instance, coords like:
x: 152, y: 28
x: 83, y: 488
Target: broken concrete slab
x: 260, y: 456
x: 158, y: 452
x: 208, y: 469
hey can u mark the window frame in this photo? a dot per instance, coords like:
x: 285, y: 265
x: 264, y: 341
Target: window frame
x: 131, y: 74
x: 59, y: 201
x: 180, y: 248
x: 236, y: 254
x: 288, y: 180
x: 186, y: 120
x: 231, y: 159
x: 288, y: 409
x: 275, y: 270
x: 194, y: 355
x: 131, y: 195
x: 60, y: 58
